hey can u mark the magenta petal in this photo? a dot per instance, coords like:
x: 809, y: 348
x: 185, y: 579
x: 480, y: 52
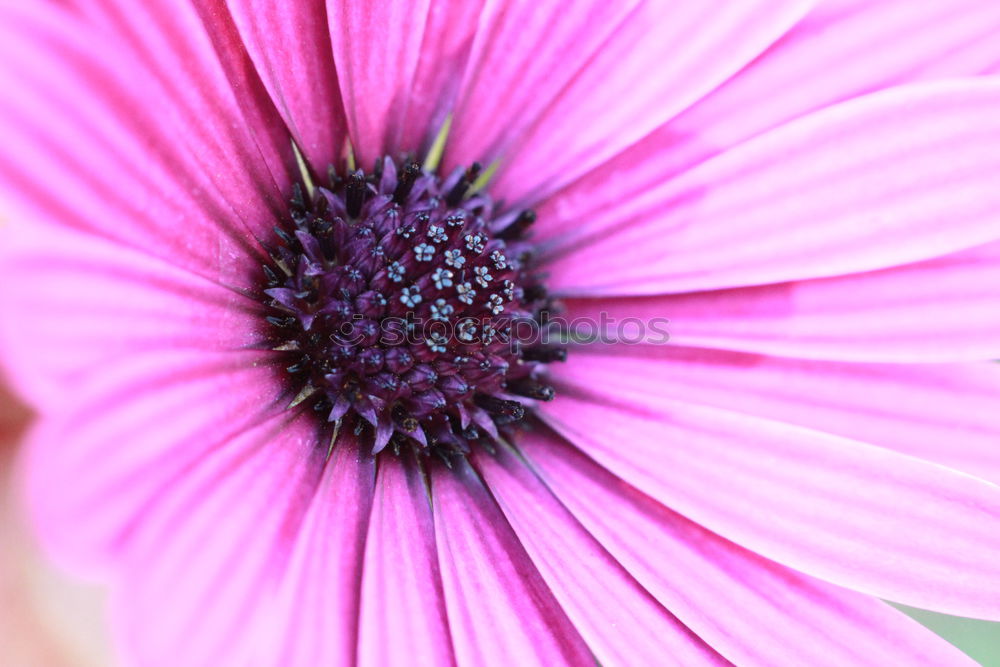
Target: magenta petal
x: 203, y: 558
x: 449, y: 32
x: 577, y: 84
x: 289, y: 43
x: 942, y: 310
x: 120, y: 441
x: 375, y: 79
x: 853, y: 514
x: 314, y: 618
x: 855, y: 187
x: 403, y: 619
x: 523, y: 55
x: 752, y: 610
x: 226, y: 118
x: 90, y: 304
x: 181, y: 171
x: 397, y: 99
x: 842, y: 49
x: 941, y: 413
x: 500, y: 611
x: 620, y: 621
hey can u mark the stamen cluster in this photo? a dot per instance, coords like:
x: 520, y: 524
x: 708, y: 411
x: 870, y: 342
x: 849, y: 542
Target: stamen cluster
x: 398, y: 298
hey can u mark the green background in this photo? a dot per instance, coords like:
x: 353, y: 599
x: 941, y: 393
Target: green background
x: 980, y: 639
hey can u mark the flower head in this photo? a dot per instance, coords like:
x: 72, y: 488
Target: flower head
x: 265, y: 265
x: 325, y: 288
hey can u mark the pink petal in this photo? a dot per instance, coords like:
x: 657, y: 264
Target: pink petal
x: 860, y: 516
x: 941, y: 413
x: 842, y: 49
x: 753, y: 611
x: 499, y: 609
x: 290, y: 45
x: 314, y: 619
x: 523, y: 54
x: 205, y: 557
x: 375, y: 79
x: 182, y: 168
x: 892, y: 178
x: 83, y: 304
x: 225, y: 114
x: 574, y: 86
x: 935, y: 311
x: 621, y: 623
x: 403, y: 619
x: 448, y: 37
x: 124, y: 437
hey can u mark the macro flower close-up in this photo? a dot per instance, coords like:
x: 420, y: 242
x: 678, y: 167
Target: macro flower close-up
x: 507, y: 333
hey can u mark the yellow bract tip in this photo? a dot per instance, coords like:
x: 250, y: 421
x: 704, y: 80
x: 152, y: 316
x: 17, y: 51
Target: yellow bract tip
x: 484, y: 178
x: 437, y: 148
x: 333, y: 439
x: 349, y: 156
x: 304, y: 170
x: 306, y: 392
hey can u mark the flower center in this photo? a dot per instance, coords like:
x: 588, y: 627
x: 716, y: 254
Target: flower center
x: 409, y: 311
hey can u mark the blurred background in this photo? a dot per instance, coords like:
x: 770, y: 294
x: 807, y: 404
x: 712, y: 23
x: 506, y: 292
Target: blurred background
x: 49, y: 620
x: 46, y: 619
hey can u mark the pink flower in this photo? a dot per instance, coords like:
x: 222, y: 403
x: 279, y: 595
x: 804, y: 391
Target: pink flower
x: 807, y: 191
